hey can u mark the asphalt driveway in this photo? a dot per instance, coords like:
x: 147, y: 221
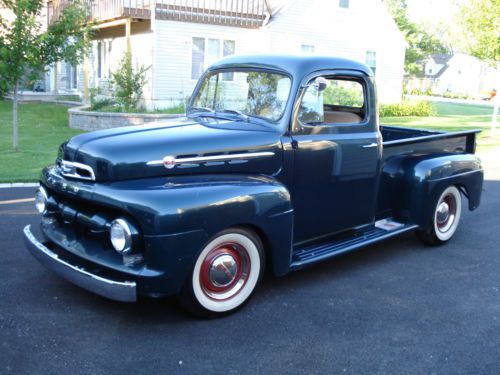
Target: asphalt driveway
x: 397, y: 307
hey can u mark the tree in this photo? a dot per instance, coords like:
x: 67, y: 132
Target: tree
x: 421, y: 43
x: 480, y: 20
x: 26, y: 49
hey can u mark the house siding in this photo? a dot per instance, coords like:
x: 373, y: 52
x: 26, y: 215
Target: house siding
x: 166, y: 45
x: 350, y: 33
x: 364, y: 26
x: 172, y: 55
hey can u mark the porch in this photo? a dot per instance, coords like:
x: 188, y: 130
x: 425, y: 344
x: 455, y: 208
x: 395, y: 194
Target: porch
x: 238, y: 13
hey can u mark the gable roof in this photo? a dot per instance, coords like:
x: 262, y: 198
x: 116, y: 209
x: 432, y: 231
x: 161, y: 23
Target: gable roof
x: 441, y: 58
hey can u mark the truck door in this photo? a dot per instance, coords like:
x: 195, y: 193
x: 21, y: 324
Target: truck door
x: 337, y: 151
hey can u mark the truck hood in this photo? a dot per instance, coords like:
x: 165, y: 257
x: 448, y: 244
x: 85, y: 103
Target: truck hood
x: 175, y: 147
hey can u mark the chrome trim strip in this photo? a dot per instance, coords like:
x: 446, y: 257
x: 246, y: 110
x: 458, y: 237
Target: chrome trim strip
x: 73, y: 164
x: 118, y: 290
x: 215, y: 158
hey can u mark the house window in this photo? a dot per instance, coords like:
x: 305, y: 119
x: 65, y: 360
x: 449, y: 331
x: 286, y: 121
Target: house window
x: 371, y: 60
x: 71, y: 76
x: 344, y: 3
x: 206, y: 51
x: 103, y: 59
x: 229, y: 49
x: 307, y: 48
x: 99, y: 59
x: 198, y: 57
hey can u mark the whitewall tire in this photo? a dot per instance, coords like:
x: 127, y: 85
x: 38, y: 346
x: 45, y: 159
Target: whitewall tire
x: 225, y: 274
x: 445, y: 218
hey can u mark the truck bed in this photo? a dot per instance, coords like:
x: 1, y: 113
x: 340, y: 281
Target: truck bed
x: 406, y: 141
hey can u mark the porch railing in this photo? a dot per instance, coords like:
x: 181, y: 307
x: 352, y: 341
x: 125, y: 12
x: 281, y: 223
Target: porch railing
x: 240, y: 13
x: 103, y: 10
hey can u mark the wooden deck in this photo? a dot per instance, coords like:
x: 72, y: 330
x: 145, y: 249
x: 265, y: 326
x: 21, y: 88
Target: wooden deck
x: 238, y: 13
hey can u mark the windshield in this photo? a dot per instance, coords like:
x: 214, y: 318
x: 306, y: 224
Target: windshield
x: 248, y: 93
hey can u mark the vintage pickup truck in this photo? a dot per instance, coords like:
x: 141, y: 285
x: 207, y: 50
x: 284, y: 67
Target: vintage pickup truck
x: 280, y: 161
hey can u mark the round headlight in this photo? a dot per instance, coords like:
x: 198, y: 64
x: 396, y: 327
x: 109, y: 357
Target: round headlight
x: 41, y: 199
x: 120, y: 236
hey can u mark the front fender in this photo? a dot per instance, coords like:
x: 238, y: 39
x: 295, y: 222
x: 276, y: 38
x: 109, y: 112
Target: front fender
x: 180, y: 207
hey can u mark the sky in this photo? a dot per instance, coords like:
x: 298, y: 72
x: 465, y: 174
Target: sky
x: 431, y: 11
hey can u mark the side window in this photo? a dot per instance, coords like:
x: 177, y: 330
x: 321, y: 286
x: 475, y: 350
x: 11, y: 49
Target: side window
x: 342, y: 101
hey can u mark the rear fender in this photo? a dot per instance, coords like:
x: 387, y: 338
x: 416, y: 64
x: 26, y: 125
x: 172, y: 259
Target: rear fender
x: 426, y: 177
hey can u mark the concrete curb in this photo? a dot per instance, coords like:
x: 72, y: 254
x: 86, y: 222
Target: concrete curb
x: 18, y: 184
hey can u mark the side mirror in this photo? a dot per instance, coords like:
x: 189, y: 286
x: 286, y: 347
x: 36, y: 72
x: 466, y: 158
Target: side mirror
x: 320, y: 84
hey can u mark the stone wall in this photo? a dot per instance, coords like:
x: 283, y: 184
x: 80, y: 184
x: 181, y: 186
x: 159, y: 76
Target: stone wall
x: 82, y: 118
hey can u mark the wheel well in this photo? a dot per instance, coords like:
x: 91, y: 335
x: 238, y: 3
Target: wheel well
x: 463, y: 189
x: 265, y: 243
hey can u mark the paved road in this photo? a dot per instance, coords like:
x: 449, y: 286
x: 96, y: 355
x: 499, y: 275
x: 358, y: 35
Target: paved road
x: 397, y: 307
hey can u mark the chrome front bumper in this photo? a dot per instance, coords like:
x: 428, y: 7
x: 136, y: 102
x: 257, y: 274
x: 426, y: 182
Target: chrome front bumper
x: 124, y: 291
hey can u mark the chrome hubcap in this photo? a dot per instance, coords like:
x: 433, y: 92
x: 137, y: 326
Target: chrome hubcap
x: 223, y: 270
x: 445, y: 213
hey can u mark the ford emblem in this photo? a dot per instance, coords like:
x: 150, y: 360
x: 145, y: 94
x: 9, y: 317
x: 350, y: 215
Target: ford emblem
x: 169, y: 162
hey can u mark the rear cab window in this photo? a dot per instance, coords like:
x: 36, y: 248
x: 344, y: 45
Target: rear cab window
x: 343, y: 101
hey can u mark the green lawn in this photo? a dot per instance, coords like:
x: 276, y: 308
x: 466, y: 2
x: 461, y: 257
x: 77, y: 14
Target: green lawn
x: 454, y: 117
x: 42, y: 128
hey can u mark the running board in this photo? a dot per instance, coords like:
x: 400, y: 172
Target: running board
x: 380, y: 231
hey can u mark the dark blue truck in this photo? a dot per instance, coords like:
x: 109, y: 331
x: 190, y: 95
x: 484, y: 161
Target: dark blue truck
x: 280, y: 162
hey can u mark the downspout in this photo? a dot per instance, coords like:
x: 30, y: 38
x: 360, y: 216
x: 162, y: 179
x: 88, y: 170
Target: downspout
x: 269, y: 9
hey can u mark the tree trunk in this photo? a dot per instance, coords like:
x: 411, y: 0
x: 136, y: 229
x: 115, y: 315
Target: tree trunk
x: 14, y: 117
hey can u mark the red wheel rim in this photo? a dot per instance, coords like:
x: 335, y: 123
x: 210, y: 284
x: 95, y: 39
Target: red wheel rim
x: 446, y: 212
x: 224, y: 271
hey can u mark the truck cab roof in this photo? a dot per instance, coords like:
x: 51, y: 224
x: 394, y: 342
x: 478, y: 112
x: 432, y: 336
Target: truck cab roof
x: 296, y: 65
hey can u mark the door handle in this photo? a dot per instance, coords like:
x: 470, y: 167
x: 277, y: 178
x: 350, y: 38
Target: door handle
x: 370, y: 145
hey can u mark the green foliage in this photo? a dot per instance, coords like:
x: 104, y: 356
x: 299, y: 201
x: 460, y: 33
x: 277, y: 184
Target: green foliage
x: 69, y: 98
x: 262, y: 92
x: 344, y: 96
x: 128, y: 84
x: 26, y: 49
x: 98, y: 102
x: 408, y: 108
x: 480, y: 20
x: 175, y: 109
x: 421, y: 43
x: 453, y: 117
x: 42, y: 128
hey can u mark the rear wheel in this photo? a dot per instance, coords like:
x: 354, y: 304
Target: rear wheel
x: 445, y: 218
x: 225, y: 274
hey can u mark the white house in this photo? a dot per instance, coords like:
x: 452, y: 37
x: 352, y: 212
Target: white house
x: 459, y: 74
x: 182, y: 37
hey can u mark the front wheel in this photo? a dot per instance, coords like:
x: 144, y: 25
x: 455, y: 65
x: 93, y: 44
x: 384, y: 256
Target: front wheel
x: 445, y: 218
x: 225, y: 274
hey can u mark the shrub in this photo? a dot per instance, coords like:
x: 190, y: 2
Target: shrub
x: 408, y: 108
x: 174, y: 109
x: 127, y: 83
x: 97, y: 101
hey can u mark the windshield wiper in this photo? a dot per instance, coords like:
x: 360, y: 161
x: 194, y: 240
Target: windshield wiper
x: 200, y: 109
x: 235, y: 112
